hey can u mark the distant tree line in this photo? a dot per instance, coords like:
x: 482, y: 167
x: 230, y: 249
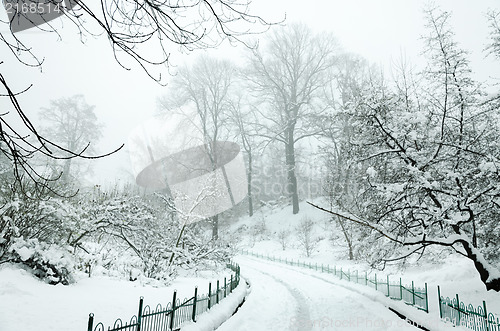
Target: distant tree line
x: 410, y: 162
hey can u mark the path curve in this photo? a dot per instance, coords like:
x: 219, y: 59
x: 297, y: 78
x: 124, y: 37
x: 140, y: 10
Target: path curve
x: 283, y: 298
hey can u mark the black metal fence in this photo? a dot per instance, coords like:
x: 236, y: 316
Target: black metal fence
x: 451, y: 310
x: 459, y: 313
x: 411, y: 295
x: 175, y: 313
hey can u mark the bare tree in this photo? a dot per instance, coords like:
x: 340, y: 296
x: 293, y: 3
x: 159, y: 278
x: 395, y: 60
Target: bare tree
x: 493, y: 49
x: 287, y: 74
x: 134, y: 28
x: 20, y: 144
x: 342, y: 94
x: 494, y: 46
x: 283, y: 238
x: 305, y: 236
x: 242, y: 118
x: 72, y: 123
x: 201, y: 94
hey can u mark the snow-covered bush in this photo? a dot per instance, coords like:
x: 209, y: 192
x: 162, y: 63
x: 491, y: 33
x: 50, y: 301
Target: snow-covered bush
x: 283, y: 237
x: 50, y: 262
x: 258, y: 231
x: 148, y: 233
x: 33, y: 231
x: 305, y: 235
x: 119, y: 233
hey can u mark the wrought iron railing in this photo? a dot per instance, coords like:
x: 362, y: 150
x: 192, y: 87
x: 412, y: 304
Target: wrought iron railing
x: 458, y: 313
x: 175, y: 313
x: 451, y: 310
x: 411, y: 295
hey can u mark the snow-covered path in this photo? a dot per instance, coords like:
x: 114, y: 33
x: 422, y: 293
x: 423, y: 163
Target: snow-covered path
x: 285, y: 298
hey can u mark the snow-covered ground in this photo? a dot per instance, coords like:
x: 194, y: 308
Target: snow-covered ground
x: 454, y: 274
x: 28, y: 304
x: 281, y: 297
x: 291, y: 298
x: 285, y: 299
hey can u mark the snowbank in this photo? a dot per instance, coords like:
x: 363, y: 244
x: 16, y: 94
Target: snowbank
x: 221, y: 312
x: 28, y: 304
x: 430, y: 321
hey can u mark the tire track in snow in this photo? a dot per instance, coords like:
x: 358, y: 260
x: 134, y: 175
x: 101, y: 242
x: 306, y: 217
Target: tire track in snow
x: 411, y: 325
x: 302, y: 311
x: 269, y: 305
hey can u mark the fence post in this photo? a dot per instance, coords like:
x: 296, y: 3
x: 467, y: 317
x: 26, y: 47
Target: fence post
x: 139, y: 314
x: 340, y: 272
x: 357, y: 278
x: 231, y: 287
x: 209, y: 294
x: 172, y: 316
x: 426, y: 300
x: 195, y: 298
x: 388, y: 287
x: 90, y: 325
x: 322, y: 267
x: 413, y: 291
x: 400, y: 289
x: 485, y: 316
x: 458, y: 309
x: 217, y: 297
x: 366, y: 278
x: 225, y: 287
x: 439, y: 300
x: 376, y: 286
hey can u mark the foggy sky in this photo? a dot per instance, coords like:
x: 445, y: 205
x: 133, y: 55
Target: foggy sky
x: 379, y: 30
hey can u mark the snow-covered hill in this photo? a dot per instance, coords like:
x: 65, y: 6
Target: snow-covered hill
x: 453, y: 273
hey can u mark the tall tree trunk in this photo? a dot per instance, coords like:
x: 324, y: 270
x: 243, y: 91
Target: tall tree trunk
x: 249, y: 178
x: 65, y: 175
x: 290, y: 165
x: 347, y: 236
x: 215, y: 227
x: 491, y: 281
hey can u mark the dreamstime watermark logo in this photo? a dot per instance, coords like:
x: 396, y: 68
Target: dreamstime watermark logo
x: 169, y: 153
x: 27, y: 14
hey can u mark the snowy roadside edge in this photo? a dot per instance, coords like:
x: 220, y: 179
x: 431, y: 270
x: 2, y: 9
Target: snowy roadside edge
x: 417, y: 317
x: 430, y: 321
x: 221, y: 312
